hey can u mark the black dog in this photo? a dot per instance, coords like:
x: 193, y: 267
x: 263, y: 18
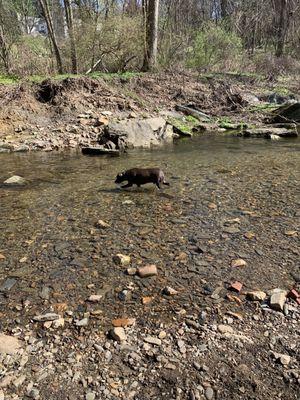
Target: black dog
x: 140, y: 176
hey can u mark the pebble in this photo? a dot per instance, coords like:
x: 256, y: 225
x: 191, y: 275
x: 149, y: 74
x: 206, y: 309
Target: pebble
x: 82, y: 322
x: 131, y: 271
x: 90, y: 396
x: 19, y: 381
x: 169, y: 291
x: 277, y: 300
x: 46, y: 317
x: 1, y: 395
x: 34, y: 394
x: 9, y: 344
x: 118, y: 334
x: 236, y: 286
x: 209, y: 393
x: 238, y: 263
x: 123, y: 322
x: 58, y: 323
x: 256, y: 295
x: 152, y: 340
x: 94, y: 298
x: 102, y: 224
x: 162, y: 335
x: 225, y: 329
x: 122, y: 259
x: 147, y: 270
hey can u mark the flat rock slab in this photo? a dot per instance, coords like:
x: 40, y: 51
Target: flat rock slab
x: 269, y: 132
x: 99, y: 150
x: 9, y: 344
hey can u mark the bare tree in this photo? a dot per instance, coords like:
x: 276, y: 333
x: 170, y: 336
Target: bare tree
x: 281, y: 8
x: 69, y: 19
x: 48, y: 18
x: 150, y: 9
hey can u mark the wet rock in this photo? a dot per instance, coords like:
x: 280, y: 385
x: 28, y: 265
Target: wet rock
x: 122, y: 259
x: 147, y: 270
x: 269, y: 132
x: 46, y: 317
x: 8, y: 284
x: 9, y: 344
x: 277, y: 300
x: 118, y: 334
x: 15, y: 180
x: 99, y: 150
x: 209, y: 393
x: 256, y: 295
x: 238, y: 263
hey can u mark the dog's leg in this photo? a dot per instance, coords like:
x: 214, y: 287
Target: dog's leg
x: 127, y: 185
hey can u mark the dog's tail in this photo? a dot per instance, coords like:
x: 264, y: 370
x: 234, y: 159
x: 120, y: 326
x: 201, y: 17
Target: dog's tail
x: 166, y: 183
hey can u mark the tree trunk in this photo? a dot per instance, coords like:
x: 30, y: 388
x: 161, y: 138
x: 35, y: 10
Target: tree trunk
x: 150, y: 9
x: 69, y: 19
x: 48, y: 18
x: 224, y: 8
x: 281, y: 25
x: 4, y: 53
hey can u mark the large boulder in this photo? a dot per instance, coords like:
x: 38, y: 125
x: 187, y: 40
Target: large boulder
x: 143, y: 133
x: 286, y: 113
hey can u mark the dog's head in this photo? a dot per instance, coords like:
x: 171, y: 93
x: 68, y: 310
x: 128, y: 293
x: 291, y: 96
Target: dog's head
x: 121, y: 177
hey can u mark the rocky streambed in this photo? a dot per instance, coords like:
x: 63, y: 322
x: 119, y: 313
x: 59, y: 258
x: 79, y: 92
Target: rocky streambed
x: 186, y: 293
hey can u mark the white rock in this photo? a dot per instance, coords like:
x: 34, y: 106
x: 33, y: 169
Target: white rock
x: 1, y: 395
x: 94, y: 298
x: 238, y: 263
x: 58, y: 323
x: 256, y: 295
x: 46, y: 317
x: 118, y: 334
x: 82, y: 322
x: 9, y: 344
x: 277, y: 300
x: 152, y: 340
x: 15, y: 180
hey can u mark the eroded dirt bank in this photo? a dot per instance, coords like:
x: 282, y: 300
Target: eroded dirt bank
x: 63, y: 114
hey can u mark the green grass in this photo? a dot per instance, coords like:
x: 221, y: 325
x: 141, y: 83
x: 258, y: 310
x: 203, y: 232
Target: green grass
x: 185, y: 124
x: 264, y: 107
x: 7, y: 80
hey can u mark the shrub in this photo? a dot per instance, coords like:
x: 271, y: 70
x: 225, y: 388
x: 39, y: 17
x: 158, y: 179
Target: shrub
x: 213, y: 47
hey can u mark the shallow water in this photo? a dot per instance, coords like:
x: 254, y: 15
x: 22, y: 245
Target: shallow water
x: 47, y: 226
